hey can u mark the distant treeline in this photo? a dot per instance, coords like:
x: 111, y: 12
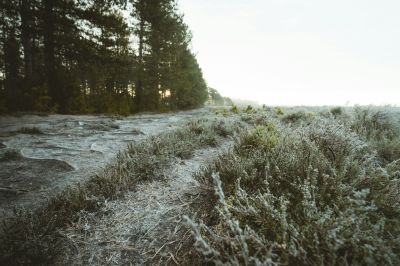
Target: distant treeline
x: 80, y: 56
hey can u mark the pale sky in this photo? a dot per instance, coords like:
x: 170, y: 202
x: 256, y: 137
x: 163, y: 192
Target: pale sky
x: 299, y: 52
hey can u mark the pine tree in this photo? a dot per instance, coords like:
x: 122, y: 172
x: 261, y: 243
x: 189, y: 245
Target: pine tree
x: 78, y: 56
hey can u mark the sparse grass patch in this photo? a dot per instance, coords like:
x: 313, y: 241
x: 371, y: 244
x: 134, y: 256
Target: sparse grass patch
x: 30, y: 131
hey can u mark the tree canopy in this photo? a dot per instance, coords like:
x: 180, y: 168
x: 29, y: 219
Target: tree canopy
x: 113, y: 56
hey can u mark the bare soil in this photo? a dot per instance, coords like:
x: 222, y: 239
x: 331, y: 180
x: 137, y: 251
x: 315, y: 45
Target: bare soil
x: 20, y: 175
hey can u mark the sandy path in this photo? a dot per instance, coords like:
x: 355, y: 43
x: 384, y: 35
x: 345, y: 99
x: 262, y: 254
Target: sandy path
x: 71, y: 149
x: 145, y: 226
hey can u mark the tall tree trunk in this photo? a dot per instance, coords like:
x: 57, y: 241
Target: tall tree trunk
x: 2, y: 42
x: 12, y: 64
x: 26, y: 38
x: 49, y: 50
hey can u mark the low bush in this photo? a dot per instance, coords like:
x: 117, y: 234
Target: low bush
x: 235, y: 109
x: 298, y: 117
x: 380, y: 127
x: 336, y: 111
x: 279, y: 111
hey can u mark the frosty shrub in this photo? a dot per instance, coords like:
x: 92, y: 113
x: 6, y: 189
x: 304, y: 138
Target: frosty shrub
x: 375, y: 123
x: 308, y: 195
x: 381, y: 128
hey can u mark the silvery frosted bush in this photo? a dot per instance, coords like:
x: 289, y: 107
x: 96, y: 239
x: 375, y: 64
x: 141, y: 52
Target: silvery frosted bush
x: 376, y: 123
x: 313, y: 194
x: 380, y: 127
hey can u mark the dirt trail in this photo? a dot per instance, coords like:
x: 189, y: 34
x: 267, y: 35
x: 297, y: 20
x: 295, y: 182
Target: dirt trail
x: 66, y: 150
x: 145, y: 227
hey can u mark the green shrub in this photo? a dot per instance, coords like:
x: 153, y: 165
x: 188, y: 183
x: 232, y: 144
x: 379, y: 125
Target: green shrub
x: 262, y: 137
x: 235, y: 109
x: 249, y: 109
x: 279, y: 111
x: 336, y: 111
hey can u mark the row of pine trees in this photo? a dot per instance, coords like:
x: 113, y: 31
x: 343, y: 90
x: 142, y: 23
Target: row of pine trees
x: 100, y: 56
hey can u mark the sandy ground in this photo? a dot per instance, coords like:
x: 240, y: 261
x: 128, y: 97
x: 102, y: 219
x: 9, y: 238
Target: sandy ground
x: 69, y: 149
x: 145, y: 227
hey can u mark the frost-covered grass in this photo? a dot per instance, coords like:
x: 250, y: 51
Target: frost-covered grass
x: 30, y: 237
x: 306, y: 187
x: 300, y: 186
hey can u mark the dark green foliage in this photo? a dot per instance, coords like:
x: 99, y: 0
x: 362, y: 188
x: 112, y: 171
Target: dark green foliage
x: 279, y: 111
x: 336, y: 111
x: 82, y: 56
x: 235, y: 109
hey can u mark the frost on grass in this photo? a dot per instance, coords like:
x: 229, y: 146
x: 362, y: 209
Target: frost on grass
x: 145, y: 226
x: 33, y: 237
x: 305, y: 191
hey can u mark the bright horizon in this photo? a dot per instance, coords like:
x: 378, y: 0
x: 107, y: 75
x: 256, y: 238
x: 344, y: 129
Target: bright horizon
x: 287, y: 52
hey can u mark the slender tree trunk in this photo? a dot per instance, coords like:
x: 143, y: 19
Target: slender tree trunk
x: 12, y: 64
x: 139, y: 82
x: 49, y: 50
x: 26, y: 38
x: 2, y: 43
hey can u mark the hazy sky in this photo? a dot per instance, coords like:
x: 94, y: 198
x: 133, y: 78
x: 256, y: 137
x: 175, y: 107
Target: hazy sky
x: 299, y: 52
